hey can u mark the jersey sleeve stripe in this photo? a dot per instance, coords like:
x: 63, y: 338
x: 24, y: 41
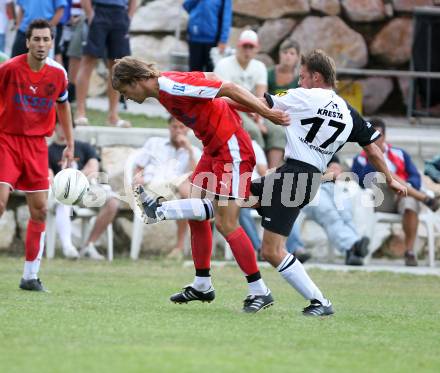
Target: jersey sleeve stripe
x: 188, y: 90
x: 373, y: 138
x: 63, y: 97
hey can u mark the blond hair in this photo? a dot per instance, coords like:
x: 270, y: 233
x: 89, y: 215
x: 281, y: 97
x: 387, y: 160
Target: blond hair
x: 320, y: 62
x: 130, y: 70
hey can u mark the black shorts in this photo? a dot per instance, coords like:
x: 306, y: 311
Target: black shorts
x: 108, y: 33
x: 283, y: 193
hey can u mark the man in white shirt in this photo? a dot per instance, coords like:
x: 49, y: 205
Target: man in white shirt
x: 163, y: 165
x: 243, y: 69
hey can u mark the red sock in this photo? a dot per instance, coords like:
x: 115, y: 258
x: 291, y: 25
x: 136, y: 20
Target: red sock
x: 34, y: 235
x: 243, y: 251
x: 201, y: 243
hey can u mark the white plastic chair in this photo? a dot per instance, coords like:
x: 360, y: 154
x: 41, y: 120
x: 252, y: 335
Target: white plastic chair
x: 87, y: 216
x: 430, y: 220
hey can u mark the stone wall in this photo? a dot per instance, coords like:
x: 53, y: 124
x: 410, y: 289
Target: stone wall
x: 356, y: 33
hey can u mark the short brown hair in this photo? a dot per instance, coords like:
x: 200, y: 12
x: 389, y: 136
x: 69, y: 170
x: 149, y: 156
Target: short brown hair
x: 290, y: 43
x: 130, y: 70
x: 317, y: 61
x: 38, y: 23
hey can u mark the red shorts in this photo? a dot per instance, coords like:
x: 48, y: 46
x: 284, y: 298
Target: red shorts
x: 227, y: 172
x: 24, y: 163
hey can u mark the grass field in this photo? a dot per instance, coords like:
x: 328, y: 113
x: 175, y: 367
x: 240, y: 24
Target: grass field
x: 103, y: 317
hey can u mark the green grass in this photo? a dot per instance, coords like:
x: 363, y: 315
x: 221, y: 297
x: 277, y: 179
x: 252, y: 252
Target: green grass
x: 99, y: 118
x: 103, y: 317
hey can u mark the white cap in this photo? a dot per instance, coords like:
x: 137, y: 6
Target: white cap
x: 248, y: 37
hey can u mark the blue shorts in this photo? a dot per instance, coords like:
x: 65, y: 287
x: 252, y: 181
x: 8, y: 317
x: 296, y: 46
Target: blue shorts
x: 108, y: 33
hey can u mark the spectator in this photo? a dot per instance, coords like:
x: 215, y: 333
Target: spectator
x: 3, y: 23
x: 28, y: 10
x: 281, y: 78
x: 208, y: 26
x: 432, y: 172
x: 108, y: 22
x: 86, y: 160
x: 404, y: 170
x: 284, y: 76
x: 246, y: 220
x: 78, y: 27
x: 338, y: 223
x: 62, y: 34
x: 244, y: 70
x: 163, y: 165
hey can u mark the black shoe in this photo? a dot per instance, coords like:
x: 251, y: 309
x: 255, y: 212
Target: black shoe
x: 190, y: 294
x: 317, y: 309
x: 255, y: 303
x: 33, y: 285
x: 360, y: 248
x: 410, y: 259
x: 147, y: 204
x: 353, y: 260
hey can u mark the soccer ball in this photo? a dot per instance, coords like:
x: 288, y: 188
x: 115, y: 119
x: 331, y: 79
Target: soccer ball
x: 69, y: 186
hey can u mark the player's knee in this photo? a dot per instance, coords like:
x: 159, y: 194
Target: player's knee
x: 40, y: 214
x: 225, y: 227
x: 269, y: 252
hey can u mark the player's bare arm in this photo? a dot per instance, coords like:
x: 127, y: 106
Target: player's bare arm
x: 65, y: 119
x: 375, y: 157
x: 244, y: 97
x: 57, y: 16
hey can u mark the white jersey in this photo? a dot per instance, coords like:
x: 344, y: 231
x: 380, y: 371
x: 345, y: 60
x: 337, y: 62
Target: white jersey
x: 321, y: 122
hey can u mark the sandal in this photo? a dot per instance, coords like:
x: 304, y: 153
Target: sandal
x: 121, y: 123
x: 81, y: 121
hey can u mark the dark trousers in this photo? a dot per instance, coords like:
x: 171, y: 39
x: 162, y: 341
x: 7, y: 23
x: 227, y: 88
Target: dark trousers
x: 19, y: 46
x: 199, y: 58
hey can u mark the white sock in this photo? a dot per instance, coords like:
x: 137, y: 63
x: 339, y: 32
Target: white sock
x: 258, y: 288
x: 182, y: 209
x: 31, y: 268
x: 64, y: 225
x: 202, y: 283
x: 294, y: 273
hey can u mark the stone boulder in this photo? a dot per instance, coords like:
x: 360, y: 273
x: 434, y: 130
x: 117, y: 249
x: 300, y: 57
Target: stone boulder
x: 157, y: 50
x: 392, y: 45
x: 328, y: 7
x: 332, y: 34
x: 266, y: 59
x: 273, y: 32
x: 159, y: 16
x: 7, y: 229
x: 270, y: 9
x: 98, y: 84
x: 158, y: 239
x: 404, y: 84
x: 363, y: 10
x: 408, y: 5
x: 375, y: 91
x: 234, y: 35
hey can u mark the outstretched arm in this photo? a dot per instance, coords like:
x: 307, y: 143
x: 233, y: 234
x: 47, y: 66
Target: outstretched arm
x: 375, y: 157
x: 244, y: 98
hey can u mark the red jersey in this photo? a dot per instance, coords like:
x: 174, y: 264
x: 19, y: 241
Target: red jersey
x: 190, y: 97
x: 27, y: 101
